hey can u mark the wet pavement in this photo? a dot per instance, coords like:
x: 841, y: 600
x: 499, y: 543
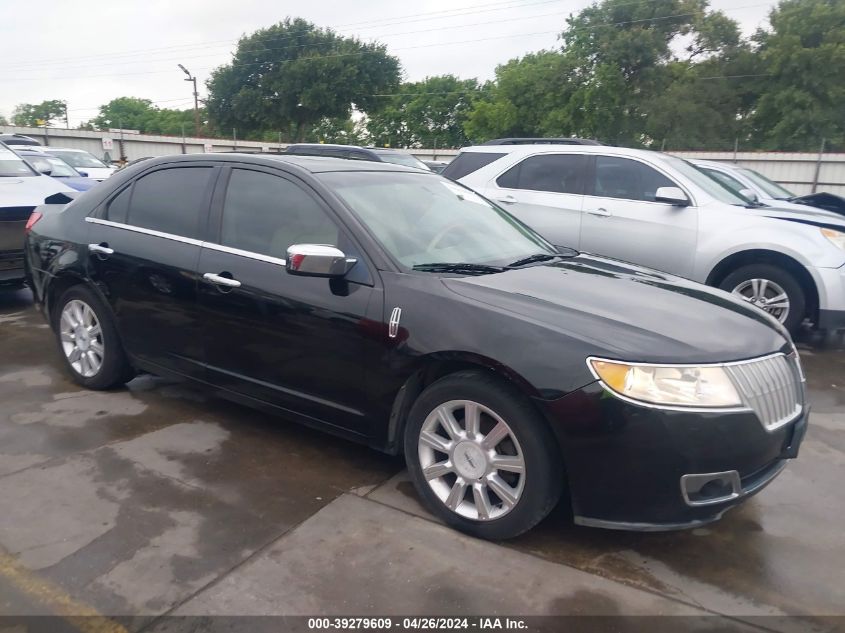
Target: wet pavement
x: 160, y: 500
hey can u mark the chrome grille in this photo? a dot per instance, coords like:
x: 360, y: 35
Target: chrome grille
x: 771, y: 386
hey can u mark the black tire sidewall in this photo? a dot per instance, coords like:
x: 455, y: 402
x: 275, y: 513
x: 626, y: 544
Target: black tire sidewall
x: 543, y: 469
x: 115, y: 369
x: 785, y: 279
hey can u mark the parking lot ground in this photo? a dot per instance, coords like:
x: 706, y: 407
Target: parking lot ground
x: 161, y: 500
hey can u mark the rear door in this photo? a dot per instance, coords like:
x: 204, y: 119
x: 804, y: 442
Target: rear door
x: 546, y: 192
x: 295, y: 342
x: 622, y: 219
x: 144, y: 245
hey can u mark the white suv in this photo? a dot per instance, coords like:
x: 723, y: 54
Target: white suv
x: 660, y: 211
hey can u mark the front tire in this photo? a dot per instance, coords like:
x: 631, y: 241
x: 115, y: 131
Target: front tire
x: 88, y: 340
x: 772, y: 289
x: 481, y: 457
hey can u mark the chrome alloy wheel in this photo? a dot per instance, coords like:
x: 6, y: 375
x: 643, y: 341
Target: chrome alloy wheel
x: 82, y: 338
x: 472, y: 460
x: 766, y: 295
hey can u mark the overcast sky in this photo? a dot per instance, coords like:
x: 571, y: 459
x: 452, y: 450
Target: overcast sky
x: 89, y: 52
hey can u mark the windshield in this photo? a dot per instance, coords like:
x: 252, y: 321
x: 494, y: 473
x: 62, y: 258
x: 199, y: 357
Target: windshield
x: 709, y: 184
x: 77, y: 159
x: 56, y: 166
x: 12, y: 165
x: 772, y: 189
x: 403, y: 159
x: 424, y: 218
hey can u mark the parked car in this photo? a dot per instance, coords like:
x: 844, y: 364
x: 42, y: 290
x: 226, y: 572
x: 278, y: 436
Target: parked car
x: 81, y: 160
x: 22, y: 188
x: 662, y: 212
x: 437, y: 166
x: 55, y: 167
x: 755, y: 185
x: 400, y: 309
x: 542, y: 141
x: 353, y: 152
x: 13, y: 141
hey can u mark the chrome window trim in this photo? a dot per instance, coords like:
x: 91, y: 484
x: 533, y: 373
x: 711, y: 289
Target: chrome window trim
x: 140, y: 229
x: 188, y: 240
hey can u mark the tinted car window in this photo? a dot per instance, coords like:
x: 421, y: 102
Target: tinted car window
x: 555, y: 173
x: 468, y: 162
x: 627, y: 179
x: 118, y: 209
x: 356, y: 155
x: 731, y: 183
x: 265, y: 214
x: 170, y: 200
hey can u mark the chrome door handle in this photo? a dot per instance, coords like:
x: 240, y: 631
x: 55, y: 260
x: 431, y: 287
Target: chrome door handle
x: 600, y: 212
x: 101, y: 249
x: 507, y: 200
x: 222, y: 281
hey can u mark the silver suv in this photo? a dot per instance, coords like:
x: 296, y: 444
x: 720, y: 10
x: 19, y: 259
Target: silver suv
x: 660, y: 211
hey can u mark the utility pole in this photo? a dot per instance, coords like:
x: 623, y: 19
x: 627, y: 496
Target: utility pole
x: 67, y: 121
x: 193, y: 79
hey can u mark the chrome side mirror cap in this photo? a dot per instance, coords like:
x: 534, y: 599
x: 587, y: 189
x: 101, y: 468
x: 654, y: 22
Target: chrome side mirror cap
x: 671, y: 195
x: 318, y: 260
x: 750, y: 194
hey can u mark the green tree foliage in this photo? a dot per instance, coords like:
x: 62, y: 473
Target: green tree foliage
x: 426, y: 113
x: 30, y: 114
x: 294, y: 74
x: 3, y: 120
x: 804, y: 56
x: 132, y: 113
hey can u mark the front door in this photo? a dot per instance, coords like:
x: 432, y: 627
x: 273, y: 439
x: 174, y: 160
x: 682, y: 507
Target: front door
x: 545, y: 191
x: 621, y: 219
x: 295, y: 342
x: 143, y: 254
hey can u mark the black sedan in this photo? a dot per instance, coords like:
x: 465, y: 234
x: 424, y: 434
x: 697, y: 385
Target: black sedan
x: 400, y: 309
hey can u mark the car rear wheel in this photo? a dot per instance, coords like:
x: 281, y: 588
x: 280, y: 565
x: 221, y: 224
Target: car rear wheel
x: 88, y: 340
x: 481, y: 457
x: 772, y: 289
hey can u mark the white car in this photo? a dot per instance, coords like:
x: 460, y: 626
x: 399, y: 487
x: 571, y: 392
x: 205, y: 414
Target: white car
x: 82, y: 161
x: 662, y: 212
x: 22, y: 188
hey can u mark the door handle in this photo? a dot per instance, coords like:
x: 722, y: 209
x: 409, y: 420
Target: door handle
x: 507, y: 199
x: 222, y: 281
x: 600, y: 212
x: 101, y: 249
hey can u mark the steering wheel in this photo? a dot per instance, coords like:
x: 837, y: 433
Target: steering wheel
x: 444, y: 232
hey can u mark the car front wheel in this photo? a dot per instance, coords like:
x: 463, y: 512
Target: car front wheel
x: 771, y: 289
x: 481, y: 457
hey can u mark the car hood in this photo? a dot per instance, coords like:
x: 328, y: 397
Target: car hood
x: 625, y: 312
x: 28, y: 192
x: 803, y: 214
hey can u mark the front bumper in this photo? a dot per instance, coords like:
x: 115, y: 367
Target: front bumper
x: 831, y: 287
x: 626, y: 463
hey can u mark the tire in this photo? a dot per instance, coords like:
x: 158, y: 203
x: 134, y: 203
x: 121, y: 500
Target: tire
x: 104, y: 343
x: 533, y: 492
x: 777, y: 279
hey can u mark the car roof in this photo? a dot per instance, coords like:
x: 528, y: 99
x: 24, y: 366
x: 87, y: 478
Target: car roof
x: 385, y: 150
x: 543, y: 141
x: 544, y: 148
x: 312, y: 164
x: 47, y: 148
x: 712, y: 163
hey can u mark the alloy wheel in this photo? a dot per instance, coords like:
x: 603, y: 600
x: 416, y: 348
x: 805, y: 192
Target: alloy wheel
x: 82, y: 338
x: 471, y: 460
x: 766, y: 295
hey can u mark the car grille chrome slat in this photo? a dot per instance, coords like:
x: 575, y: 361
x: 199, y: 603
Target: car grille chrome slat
x: 771, y: 387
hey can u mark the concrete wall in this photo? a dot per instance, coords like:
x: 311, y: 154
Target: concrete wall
x: 797, y: 171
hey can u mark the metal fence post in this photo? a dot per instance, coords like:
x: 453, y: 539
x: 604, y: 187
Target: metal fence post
x: 736, y: 147
x: 818, y: 167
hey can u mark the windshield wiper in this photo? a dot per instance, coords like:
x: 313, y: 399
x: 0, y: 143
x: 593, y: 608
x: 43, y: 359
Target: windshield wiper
x: 539, y: 257
x: 458, y: 267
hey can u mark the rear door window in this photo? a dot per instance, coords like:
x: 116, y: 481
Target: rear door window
x: 554, y: 173
x: 171, y: 200
x: 469, y: 162
x: 118, y: 207
x: 627, y: 179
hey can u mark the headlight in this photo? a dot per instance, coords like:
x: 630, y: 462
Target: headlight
x: 837, y: 238
x: 679, y: 386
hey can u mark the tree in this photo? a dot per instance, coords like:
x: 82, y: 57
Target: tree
x: 803, y: 98
x: 132, y: 113
x: 3, y: 120
x: 29, y: 114
x: 294, y: 74
x: 426, y: 113
x: 343, y: 131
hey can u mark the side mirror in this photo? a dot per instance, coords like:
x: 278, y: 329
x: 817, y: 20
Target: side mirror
x: 43, y: 168
x: 318, y: 260
x: 84, y: 174
x: 671, y: 195
x: 750, y: 194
